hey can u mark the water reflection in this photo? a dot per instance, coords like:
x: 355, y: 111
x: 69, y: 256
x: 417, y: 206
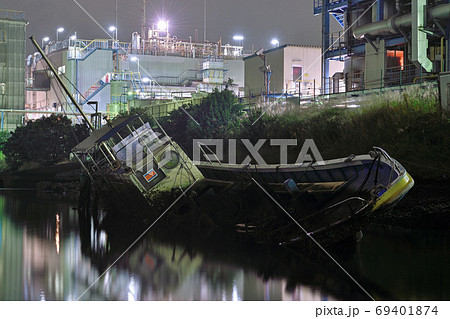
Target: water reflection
x: 45, y: 255
x: 51, y: 251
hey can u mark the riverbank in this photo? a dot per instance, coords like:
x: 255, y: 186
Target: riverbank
x: 409, y: 125
x: 426, y: 206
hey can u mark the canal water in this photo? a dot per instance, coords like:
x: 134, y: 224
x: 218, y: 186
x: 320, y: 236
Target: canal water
x: 45, y: 256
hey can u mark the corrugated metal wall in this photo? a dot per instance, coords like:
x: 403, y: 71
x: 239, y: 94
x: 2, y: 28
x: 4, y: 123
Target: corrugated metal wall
x: 12, y: 69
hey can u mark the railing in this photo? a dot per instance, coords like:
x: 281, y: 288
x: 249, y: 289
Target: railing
x: 337, y: 41
x: 12, y: 14
x: 187, y: 75
x: 318, y: 4
x: 79, y: 49
x: 390, y: 78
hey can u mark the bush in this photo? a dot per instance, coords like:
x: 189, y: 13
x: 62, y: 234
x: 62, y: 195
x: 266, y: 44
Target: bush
x: 4, y: 135
x: 216, y: 116
x: 46, y: 141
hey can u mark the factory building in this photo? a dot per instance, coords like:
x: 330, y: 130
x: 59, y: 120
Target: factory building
x: 389, y: 43
x: 287, y: 69
x: 105, y: 75
x: 12, y: 68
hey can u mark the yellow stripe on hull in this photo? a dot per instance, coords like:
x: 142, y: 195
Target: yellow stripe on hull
x: 396, y: 191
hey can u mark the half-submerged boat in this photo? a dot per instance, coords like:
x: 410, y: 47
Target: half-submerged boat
x: 329, y: 201
x: 134, y: 165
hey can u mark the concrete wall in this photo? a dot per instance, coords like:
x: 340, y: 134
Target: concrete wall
x: 90, y: 71
x: 234, y: 69
x: 254, y: 78
x: 276, y: 61
x: 444, y: 89
x: 375, y: 65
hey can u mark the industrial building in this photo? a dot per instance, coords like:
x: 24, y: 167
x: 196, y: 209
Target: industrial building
x: 12, y: 68
x: 152, y: 67
x: 287, y: 69
x: 385, y: 43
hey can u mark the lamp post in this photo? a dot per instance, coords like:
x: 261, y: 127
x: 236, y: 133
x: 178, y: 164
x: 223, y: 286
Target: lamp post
x: 275, y: 42
x: 163, y: 25
x: 44, y: 39
x: 114, y: 30
x: 58, y: 31
x: 240, y: 41
x: 73, y: 37
x: 146, y: 82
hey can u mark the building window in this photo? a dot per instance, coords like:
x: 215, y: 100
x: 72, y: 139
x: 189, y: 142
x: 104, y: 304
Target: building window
x: 2, y: 88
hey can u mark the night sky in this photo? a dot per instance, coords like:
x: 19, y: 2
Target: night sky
x: 290, y: 21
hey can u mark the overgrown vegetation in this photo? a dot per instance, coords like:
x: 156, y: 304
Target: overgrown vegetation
x: 4, y: 135
x: 43, y: 142
x: 409, y: 125
x: 217, y: 116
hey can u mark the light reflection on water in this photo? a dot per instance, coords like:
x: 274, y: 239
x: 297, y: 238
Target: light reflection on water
x: 42, y: 257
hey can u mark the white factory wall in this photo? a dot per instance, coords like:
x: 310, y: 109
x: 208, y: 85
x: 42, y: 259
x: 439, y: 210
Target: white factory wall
x: 308, y: 58
x: 87, y: 72
x: 282, y: 61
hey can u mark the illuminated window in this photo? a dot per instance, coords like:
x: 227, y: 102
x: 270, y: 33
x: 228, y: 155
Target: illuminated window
x: 395, y: 58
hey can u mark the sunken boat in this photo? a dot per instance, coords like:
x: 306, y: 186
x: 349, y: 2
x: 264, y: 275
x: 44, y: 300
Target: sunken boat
x: 329, y: 201
x: 134, y: 165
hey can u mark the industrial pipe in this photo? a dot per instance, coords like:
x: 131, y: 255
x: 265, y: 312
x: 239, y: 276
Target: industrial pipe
x: 391, y: 25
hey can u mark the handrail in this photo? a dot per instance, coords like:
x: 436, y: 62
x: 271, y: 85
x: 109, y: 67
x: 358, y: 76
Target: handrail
x: 12, y: 14
x: 424, y: 77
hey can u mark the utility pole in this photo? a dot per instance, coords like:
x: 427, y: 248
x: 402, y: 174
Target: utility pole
x: 204, y: 21
x: 144, y: 31
x: 117, y: 16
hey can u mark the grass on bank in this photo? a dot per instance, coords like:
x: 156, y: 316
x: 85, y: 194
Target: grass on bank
x: 409, y: 125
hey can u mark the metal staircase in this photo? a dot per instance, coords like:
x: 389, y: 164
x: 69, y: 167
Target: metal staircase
x: 94, y: 89
x: 339, y: 16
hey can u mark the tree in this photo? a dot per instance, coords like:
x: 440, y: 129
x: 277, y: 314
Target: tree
x: 216, y: 116
x: 46, y: 141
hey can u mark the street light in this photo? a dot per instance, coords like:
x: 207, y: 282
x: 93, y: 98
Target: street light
x: 162, y: 25
x: 44, y: 39
x: 240, y: 41
x: 114, y: 30
x: 275, y: 42
x: 58, y: 31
